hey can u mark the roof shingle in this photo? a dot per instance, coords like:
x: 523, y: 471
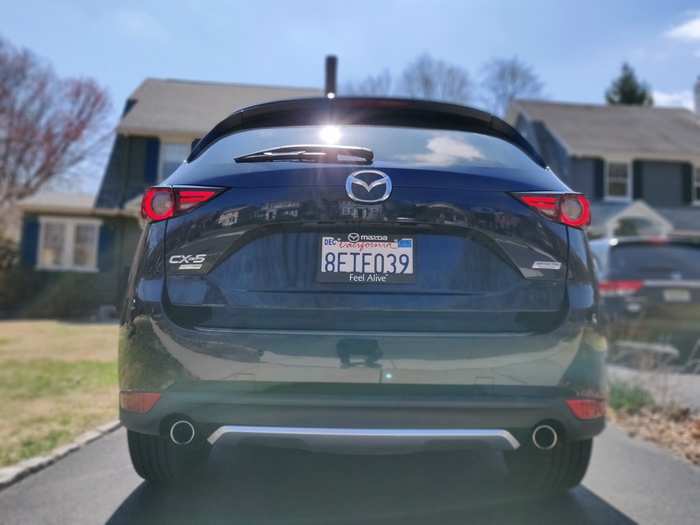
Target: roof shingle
x: 593, y: 130
x: 182, y: 107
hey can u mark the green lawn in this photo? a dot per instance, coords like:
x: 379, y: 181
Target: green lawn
x: 57, y: 380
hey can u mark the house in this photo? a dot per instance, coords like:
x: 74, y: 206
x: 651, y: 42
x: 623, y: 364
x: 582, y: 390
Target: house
x: 68, y: 246
x: 89, y: 241
x: 639, y: 166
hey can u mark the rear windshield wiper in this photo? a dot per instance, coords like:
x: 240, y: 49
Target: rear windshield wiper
x: 311, y: 153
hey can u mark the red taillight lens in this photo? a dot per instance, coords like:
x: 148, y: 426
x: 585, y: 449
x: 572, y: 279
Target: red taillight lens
x: 572, y: 209
x: 160, y: 203
x: 188, y: 199
x: 575, y: 210
x: 140, y: 402
x: 586, y: 408
x: 545, y: 204
x: 619, y: 288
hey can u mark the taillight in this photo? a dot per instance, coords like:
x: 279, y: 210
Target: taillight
x: 619, y: 288
x: 572, y: 209
x: 587, y: 408
x: 162, y: 202
x: 140, y: 402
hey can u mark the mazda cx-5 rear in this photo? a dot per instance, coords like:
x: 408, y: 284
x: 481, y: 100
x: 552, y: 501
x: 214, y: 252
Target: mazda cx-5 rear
x: 357, y: 275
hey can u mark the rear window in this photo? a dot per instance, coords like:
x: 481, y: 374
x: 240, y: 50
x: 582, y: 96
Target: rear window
x: 655, y: 261
x: 415, y: 146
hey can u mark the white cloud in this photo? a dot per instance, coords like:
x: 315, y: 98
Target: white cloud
x: 446, y: 151
x: 688, y: 30
x: 675, y: 99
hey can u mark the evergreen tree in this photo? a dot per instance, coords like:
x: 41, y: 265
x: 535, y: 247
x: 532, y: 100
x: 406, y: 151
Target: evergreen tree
x: 626, y: 89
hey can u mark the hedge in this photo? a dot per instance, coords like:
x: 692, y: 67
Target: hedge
x: 30, y: 293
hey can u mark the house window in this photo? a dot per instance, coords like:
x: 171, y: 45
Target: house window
x: 68, y: 244
x: 617, y: 184
x: 696, y: 187
x: 171, y: 156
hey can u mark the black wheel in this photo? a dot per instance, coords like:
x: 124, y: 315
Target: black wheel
x: 549, y: 471
x: 157, y: 460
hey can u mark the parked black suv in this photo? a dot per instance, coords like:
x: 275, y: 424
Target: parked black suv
x: 363, y: 275
x: 650, y: 291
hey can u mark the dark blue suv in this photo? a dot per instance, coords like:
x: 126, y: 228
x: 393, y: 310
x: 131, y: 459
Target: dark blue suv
x: 363, y: 275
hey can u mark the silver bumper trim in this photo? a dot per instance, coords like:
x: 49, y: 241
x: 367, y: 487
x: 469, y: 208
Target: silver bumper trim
x: 495, y: 438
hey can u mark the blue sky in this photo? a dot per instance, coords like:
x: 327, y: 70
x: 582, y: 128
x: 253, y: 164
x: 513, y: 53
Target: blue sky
x: 576, y: 47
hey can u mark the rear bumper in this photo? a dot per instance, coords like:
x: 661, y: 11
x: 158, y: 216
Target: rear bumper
x: 354, y: 423
x: 398, y: 383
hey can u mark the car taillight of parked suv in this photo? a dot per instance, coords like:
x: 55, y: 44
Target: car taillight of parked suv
x: 363, y: 275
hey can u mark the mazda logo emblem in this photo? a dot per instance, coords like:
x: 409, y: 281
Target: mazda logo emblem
x: 359, y: 185
x: 353, y: 237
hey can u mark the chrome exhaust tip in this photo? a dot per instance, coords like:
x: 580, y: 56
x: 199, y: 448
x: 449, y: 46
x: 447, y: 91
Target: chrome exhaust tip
x: 545, y: 437
x: 182, y: 432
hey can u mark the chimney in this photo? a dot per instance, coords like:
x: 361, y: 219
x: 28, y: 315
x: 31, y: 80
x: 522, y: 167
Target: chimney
x: 332, y: 76
x: 697, y: 95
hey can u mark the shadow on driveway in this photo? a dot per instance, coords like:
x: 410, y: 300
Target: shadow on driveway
x: 256, y: 485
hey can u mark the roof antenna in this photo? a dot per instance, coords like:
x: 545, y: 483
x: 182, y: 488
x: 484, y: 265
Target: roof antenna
x: 331, y: 76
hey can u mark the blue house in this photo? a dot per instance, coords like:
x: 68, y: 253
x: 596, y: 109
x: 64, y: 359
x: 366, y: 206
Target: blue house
x: 77, y: 244
x: 639, y: 165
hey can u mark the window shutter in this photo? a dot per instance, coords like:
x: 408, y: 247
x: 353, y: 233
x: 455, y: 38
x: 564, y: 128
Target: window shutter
x: 105, y: 248
x: 637, y: 180
x: 599, y: 179
x: 151, y: 166
x: 30, y: 241
x: 688, y: 184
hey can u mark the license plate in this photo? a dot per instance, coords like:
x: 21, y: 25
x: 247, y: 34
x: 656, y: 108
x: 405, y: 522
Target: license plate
x: 677, y: 296
x: 366, y: 258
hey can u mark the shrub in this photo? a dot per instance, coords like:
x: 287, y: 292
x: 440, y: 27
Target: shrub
x: 16, y: 284
x: 629, y: 398
x: 9, y: 254
x: 28, y: 293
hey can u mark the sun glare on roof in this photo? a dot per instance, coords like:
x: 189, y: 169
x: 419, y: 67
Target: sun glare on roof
x: 330, y: 134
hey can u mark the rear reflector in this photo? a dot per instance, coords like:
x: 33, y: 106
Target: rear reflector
x: 586, y: 408
x: 619, y: 288
x: 140, y: 402
x: 572, y: 209
x: 163, y: 202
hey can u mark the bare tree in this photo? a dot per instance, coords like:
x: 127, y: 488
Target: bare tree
x: 505, y: 79
x: 48, y: 126
x: 373, y: 85
x: 434, y: 79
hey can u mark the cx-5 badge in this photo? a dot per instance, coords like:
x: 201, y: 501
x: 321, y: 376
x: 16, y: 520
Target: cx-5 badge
x: 359, y: 185
x: 188, y: 262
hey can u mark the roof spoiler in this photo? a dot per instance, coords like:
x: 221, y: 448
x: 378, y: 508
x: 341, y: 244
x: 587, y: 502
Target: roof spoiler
x: 399, y: 112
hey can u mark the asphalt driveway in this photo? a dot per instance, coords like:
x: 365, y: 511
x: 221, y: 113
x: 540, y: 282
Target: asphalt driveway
x: 629, y: 481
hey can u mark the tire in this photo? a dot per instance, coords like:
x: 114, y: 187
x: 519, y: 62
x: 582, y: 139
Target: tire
x: 159, y: 461
x: 550, y: 471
